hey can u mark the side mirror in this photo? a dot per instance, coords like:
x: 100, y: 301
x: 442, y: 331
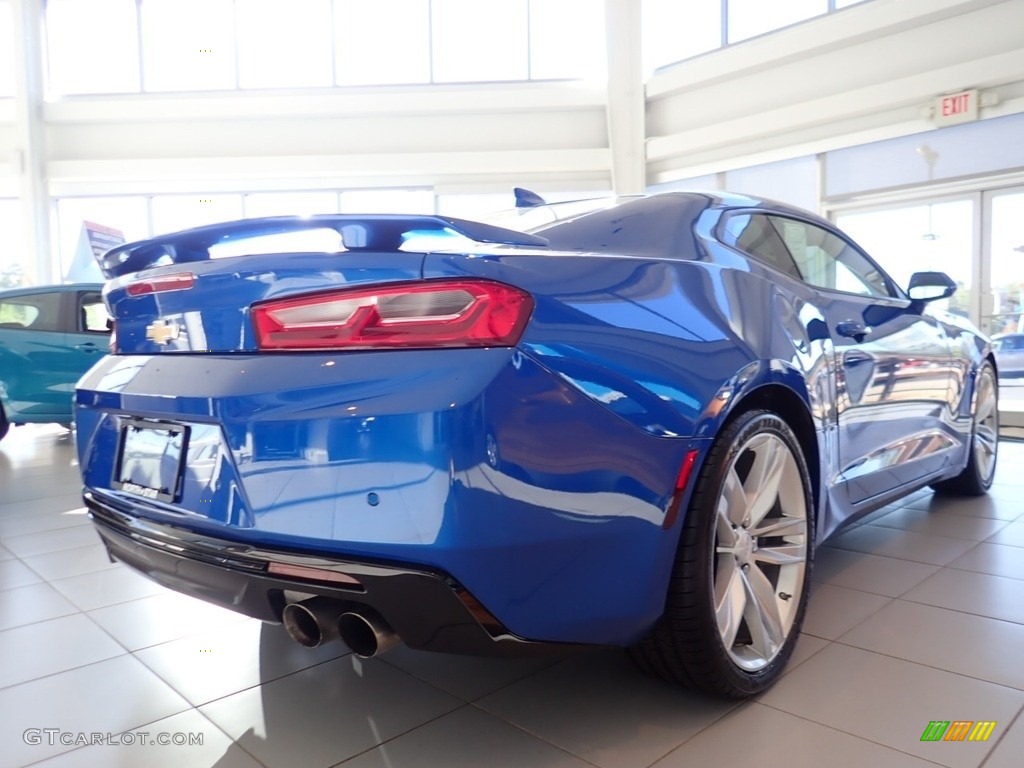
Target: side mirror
x: 930, y: 286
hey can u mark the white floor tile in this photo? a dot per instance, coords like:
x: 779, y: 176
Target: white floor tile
x: 232, y: 658
x: 903, y: 545
x: 890, y: 701
x: 107, y: 587
x: 320, y: 716
x: 996, y: 559
x: 975, y: 646
x: 106, y: 697
x: 187, y: 739
x: 581, y: 706
x: 833, y: 610
x: 869, y: 573
x: 466, y: 737
x: 162, y: 617
x: 979, y: 593
x: 756, y: 735
x: 48, y: 647
x: 31, y: 603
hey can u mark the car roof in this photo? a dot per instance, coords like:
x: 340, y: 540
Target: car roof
x: 34, y: 289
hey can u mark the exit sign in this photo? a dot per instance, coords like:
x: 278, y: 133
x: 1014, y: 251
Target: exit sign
x: 956, y: 108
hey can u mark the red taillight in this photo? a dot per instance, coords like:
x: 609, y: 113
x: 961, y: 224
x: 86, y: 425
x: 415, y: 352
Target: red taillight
x: 439, y: 313
x: 180, y: 281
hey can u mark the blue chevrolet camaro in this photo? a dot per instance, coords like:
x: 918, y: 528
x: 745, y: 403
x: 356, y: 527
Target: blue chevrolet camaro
x: 624, y: 423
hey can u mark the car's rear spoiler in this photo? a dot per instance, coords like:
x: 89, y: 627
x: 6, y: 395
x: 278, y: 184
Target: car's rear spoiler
x: 377, y: 232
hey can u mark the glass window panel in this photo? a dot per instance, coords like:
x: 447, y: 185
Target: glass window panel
x: 290, y: 203
x: 16, y: 268
x: 920, y: 237
x: 474, y: 206
x: 387, y: 201
x: 127, y: 214
x: 188, y: 45
x: 475, y: 41
x: 673, y: 31
x: 1007, y: 264
x: 372, y: 49
x: 6, y: 50
x: 172, y: 213
x: 93, y: 46
x: 748, y: 18
x: 567, y: 39
x: 284, y: 45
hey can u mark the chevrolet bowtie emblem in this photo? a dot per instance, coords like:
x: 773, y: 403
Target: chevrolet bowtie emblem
x: 161, y: 332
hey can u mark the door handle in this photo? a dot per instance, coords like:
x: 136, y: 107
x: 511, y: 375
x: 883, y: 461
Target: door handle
x: 87, y: 347
x: 852, y: 329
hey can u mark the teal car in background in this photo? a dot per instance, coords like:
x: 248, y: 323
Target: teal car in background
x: 49, y: 336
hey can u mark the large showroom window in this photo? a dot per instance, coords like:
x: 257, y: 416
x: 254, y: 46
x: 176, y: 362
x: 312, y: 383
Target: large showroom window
x: 748, y: 18
x: 979, y: 241
x: 170, y: 213
x: 290, y: 203
x: 93, y: 46
x: 374, y: 50
x: 674, y: 30
x: 462, y: 53
x: 567, y: 40
x: 284, y: 45
x: 199, y: 45
x: 188, y: 45
x: 15, y: 265
x: 387, y: 201
x: 935, y: 236
x: 1006, y: 261
x: 6, y: 50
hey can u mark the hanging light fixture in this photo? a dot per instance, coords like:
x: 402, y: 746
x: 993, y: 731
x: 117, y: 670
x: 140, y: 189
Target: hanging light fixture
x: 930, y: 156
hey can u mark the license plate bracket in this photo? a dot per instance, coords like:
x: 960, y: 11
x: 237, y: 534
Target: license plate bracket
x: 149, y: 459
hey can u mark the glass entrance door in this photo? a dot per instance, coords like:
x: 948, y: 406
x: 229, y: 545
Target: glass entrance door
x: 935, y: 235
x: 1003, y: 277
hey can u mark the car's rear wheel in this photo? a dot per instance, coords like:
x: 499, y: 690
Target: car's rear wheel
x: 976, y: 477
x: 4, y: 424
x: 739, y: 588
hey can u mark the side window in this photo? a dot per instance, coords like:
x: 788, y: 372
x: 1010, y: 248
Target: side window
x: 754, y: 234
x: 36, y: 312
x: 92, y: 313
x: 828, y: 261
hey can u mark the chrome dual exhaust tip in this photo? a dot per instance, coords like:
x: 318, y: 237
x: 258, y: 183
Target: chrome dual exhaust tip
x: 320, y: 620
x: 366, y: 634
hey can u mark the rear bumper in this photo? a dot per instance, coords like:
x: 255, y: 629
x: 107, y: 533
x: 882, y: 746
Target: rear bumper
x: 477, y: 466
x: 427, y: 609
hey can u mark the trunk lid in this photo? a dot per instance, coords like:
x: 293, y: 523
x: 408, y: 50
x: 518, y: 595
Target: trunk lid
x: 192, y: 292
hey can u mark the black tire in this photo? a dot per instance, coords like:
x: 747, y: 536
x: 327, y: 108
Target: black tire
x: 982, y: 452
x: 5, y: 425
x: 686, y: 645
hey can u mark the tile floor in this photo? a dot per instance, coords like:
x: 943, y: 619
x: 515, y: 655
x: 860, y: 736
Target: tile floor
x: 917, y: 615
